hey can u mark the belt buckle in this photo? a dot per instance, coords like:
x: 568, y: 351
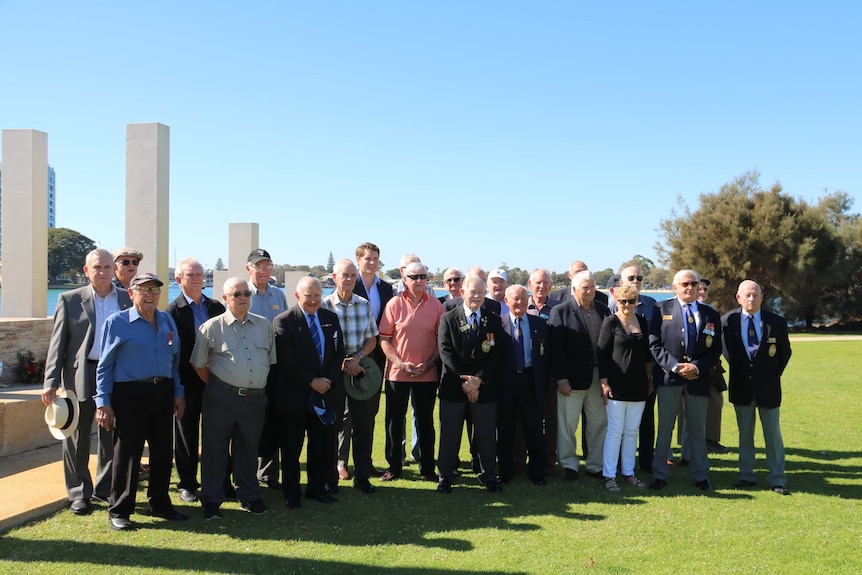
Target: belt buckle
x: 241, y: 391
x: 156, y: 380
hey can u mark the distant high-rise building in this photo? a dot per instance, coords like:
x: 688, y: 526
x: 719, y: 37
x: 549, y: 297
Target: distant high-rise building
x: 52, y: 203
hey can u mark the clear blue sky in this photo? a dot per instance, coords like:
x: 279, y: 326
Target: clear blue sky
x: 480, y: 132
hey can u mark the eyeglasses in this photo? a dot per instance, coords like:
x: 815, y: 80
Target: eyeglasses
x: 632, y: 301
x: 452, y: 280
x: 687, y: 284
x: 633, y: 278
x: 246, y: 293
x: 263, y: 267
x: 129, y: 262
x: 417, y: 277
x: 148, y: 291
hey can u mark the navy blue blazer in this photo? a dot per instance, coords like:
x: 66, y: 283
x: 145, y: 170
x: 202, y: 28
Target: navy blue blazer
x: 540, y: 353
x: 384, y: 290
x: 572, y: 349
x: 756, y: 379
x: 185, y: 320
x: 667, y: 345
x: 298, y: 363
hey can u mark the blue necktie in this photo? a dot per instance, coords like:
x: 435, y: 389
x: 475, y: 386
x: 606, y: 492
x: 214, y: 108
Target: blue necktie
x: 753, y: 342
x: 520, y: 362
x: 315, y: 335
x: 690, y: 331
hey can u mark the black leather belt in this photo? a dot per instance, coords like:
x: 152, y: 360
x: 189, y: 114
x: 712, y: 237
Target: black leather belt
x: 150, y: 380
x: 241, y: 391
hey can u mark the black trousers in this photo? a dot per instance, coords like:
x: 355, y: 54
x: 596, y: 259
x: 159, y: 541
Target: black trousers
x: 144, y: 412
x: 424, y: 398
x: 321, y: 455
x: 646, y: 441
x: 520, y: 401
x: 187, y: 441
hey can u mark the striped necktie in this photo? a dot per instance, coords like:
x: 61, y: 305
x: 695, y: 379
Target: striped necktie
x: 315, y: 335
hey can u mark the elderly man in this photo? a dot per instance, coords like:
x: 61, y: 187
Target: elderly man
x: 574, y: 328
x: 267, y: 301
x: 468, y: 343
x: 360, y: 338
x: 685, y: 341
x: 489, y: 305
x: 190, y: 310
x: 310, y: 344
x: 399, y: 286
x: 540, y: 302
x: 138, y: 391
x: 408, y: 336
x: 632, y: 276
x: 232, y: 354
x: 757, y: 349
x: 126, y: 262
x: 497, y: 284
x: 521, y: 389
x: 73, y: 353
x: 452, y: 278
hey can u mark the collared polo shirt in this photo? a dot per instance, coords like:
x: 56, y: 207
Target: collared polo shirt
x: 238, y: 352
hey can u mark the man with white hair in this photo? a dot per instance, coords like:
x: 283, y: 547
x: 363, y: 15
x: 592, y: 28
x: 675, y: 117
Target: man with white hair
x: 685, y: 341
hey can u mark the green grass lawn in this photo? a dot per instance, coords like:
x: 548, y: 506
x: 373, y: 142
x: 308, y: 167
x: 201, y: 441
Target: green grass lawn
x: 407, y: 528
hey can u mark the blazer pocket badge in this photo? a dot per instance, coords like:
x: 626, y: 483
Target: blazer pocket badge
x: 666, y: 317
x: 772, y: 350
x: 541, y: 348
x: 709, y: 341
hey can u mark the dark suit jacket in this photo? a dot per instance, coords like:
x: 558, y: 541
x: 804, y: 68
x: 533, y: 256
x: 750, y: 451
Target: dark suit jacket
x: 71, y: 340
x: 758, y: 378
x: 298, y: 362
x: 459, y: 357
x: 667, y: 344
x: 384, y: 289
x: 489, y: 305
x: 572, y: 350
x: 185, y: 320
x: 540, y: 349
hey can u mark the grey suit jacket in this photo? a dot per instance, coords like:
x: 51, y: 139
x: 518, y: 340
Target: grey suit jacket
x: 71, y: 341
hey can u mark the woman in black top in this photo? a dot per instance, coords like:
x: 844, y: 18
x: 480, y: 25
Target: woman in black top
x: 624, y: 374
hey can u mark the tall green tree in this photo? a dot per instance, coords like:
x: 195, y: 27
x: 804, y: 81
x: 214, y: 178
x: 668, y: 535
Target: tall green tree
x: 67, y: 252
x: 745, y: 231
x: 219, y: 265
x: 330, y: 263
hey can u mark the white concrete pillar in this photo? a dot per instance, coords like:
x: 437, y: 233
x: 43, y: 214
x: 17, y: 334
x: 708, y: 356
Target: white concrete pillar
x: 243, y: 238
x: 148, y: 197
x: 25, y: 223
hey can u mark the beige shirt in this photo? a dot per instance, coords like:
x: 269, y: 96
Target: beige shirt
x: 238, y: 353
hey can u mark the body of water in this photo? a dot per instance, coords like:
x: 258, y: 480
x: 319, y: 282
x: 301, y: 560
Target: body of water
x: 174, y: 291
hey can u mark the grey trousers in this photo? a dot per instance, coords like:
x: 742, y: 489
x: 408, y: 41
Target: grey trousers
x: 76, y: 453
x: 669, y: 400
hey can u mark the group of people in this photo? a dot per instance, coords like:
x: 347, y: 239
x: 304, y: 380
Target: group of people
x: 236, y: 387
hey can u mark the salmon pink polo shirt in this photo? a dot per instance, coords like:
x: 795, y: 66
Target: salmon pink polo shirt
x: 412, y: 331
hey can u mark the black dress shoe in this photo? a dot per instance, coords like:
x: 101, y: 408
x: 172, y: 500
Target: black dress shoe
x: 331, y: 489
x: 444, y: 486
x: 781, y: 490
x: 271, y: 483
x: 120, y: 523
x: 715, y: 447
x: 430, y: 476
x: 188, y: 495
x: 494, y: 486
x: 293, y: 503
x: 596, y: 474
x: 569, y: 474
x: 364, y: 486
x: 743, y: 483
x: 323, y: 497
x: 704, y: 485
x: 171, y: 514
x: 657, y: 484
x: 80, y: 507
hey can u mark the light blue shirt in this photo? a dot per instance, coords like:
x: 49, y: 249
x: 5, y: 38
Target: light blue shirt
x: 269, y: 303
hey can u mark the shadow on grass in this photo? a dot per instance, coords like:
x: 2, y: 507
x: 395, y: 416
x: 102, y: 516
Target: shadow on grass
x: 125, y: 557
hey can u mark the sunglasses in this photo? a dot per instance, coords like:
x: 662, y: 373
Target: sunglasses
x: 129, y: 262
x: 417, y: 277
x: 246, y: 293
x: 687, y: 284
x: 148, y: 291
x: 633, y: 278
x: 452, y: 280
x: 632, y: 301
